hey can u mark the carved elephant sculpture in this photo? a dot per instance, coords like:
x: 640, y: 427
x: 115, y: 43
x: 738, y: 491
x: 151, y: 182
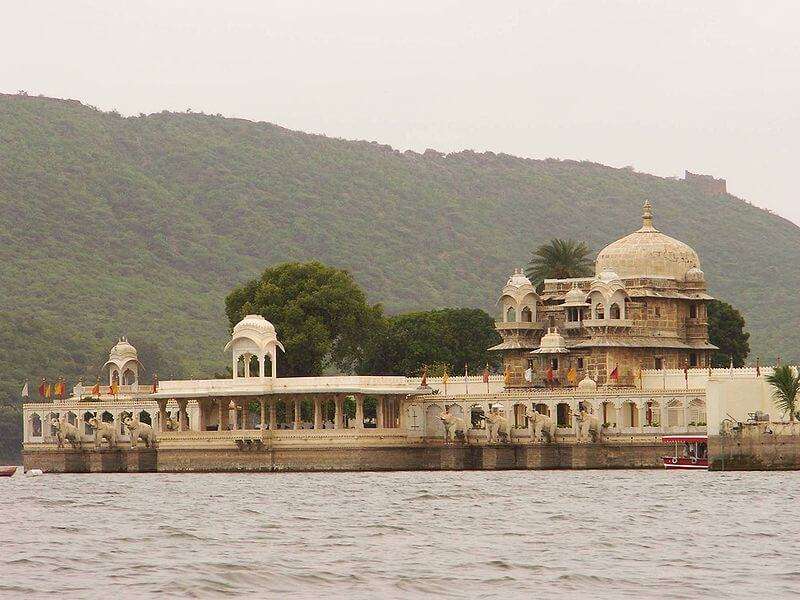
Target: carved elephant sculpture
x: 66, y: 431
x: 498, y: 428
x: 454, y: 428
x: 588, y: 427
x: 726, y: 427
x: 139, y: 430
x: 103, y: 431
x: 543, y: 428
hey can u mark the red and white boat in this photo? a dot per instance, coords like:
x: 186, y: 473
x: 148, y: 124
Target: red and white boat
x: 7, y: 471
x: 690, y: 452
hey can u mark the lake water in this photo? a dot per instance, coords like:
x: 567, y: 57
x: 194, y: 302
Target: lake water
x: 520, y: 534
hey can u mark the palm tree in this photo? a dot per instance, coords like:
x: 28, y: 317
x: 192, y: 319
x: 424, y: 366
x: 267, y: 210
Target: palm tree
x: 559, y: 259
x: 786, y: 385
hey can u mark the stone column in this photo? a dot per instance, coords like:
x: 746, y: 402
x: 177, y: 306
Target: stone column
x: 183, y: 416
x: 687, y: 414
x: 162, y: 414
x: 379, y: 413
x: 201, y: 414
x: 262, y: 415
x: 219, y: 414
x: 317, y: 413
x: 261, y: 366
x: 273, y: 415
x: 247, y: 365
x: 664, y: 414
x: 359, y: 411
x: 337, y: 411
x: 245, y: 422
x: 642, y: 404
x: 298, y: 420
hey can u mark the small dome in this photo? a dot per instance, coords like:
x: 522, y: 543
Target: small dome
x: 552, y: 343
x: 607, y: 275
x: 255, y: 323
x: 587, y: 383
x: 122, y: 350
x: 695, y: 275
x: 518, y: 279
x: 648, y: 253
x: 575, y: 297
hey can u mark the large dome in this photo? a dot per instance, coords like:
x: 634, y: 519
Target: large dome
x: 648, y: 253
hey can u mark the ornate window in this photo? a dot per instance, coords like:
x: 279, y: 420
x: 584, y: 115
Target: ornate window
x: 614, y: 312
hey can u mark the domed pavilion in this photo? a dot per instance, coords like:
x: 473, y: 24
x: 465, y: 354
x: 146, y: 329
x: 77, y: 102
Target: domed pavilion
x: 645, y: 308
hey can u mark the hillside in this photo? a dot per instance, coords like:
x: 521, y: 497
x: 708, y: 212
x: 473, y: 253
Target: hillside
x: 139, y: 226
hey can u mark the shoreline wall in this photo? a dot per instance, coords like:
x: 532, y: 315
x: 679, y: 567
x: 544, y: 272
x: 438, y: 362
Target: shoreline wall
x: 389, y: 458
x: 754, y: 453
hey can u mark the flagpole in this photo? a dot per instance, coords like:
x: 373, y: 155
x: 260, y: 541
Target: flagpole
x: 466, y: 383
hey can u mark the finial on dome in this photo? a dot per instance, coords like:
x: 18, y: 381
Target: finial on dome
x: 647, y: 215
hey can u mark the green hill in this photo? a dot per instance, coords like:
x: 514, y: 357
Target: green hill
x: 139, y: 226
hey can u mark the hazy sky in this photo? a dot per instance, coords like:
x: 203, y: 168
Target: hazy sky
x: 713, y: 87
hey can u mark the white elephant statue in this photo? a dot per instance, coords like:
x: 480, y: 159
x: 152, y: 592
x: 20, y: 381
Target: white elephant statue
x: 726, y: 427
x: 103, y: 430
x: 454, y: 427
x: 65, y: 431
x: 588, y: 427
x: 543, y: 428
x: 139, y: 430
x: 498, y: 428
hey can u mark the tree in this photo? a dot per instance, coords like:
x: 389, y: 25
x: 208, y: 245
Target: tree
x: 726, y: 330
x: 559, y: 259
x: 320, y: 314
x: 786, y: 384
x: 451, y: 337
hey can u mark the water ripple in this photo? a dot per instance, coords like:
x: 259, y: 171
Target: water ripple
x: 599, y: 534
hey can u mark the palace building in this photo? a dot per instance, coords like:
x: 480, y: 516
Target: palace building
x: 645, y: 308
x: 623, y: 355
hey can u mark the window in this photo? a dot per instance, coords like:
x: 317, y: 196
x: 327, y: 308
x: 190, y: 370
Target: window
x: 693, y: 359
x: 613, y: 312
x: 527, y: 315
x: 511, y: 314
x: 659, y: 363
x: 554, y: 363
x: 580, y: 362
x: 599, y: 311
x: 693, y: 311
x: 657, y: 312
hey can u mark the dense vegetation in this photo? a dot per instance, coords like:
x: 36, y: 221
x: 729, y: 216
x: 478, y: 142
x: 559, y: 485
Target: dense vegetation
x: 140, y: 226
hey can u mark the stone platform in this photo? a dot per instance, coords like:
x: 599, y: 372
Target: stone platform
x: 754, y: 453
x: 391, y: 458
